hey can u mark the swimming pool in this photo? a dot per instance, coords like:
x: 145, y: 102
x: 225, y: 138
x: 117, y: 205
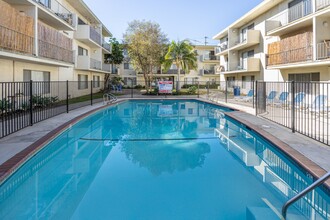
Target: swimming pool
x: 159, y: 159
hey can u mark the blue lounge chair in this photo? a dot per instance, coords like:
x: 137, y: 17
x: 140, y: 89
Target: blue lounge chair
x: 246, y: 98
x: 282, y: 100
x: 271, y: 97
x: 299, y: 99
x: 319, y: 105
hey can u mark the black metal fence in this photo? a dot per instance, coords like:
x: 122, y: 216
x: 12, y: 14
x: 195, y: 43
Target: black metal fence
x: 23, y: 104
x: 300, y: 106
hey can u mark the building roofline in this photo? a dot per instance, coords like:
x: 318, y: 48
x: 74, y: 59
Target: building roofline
x: 252, y: 14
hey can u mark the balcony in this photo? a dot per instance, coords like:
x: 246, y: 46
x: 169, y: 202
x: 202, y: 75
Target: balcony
x: 106, y: 46
x: 106, y: 67
x: 247, y: 65
x: 87, y: 63
x: 277, y: 25
x: 209, y: 58
x: 320, y: 4
x: 53, y: 51
x: 252, y: 38
x: 16, y: 42
x: 210, y: 71
x: 222, y: 49
x: 323, y: 50
x: 56, y: 15
x: 291, y: 56
x: 88, y: 35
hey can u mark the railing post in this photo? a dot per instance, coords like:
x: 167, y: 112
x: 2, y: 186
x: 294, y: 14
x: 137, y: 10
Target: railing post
x: 256, y: 96
x: 208, y: 89
x: 253, y: 94
x: 31, y: 103
x: 91, y: 92
x: 226, y: 91
x: 293, y: 106
x: 67, y: 96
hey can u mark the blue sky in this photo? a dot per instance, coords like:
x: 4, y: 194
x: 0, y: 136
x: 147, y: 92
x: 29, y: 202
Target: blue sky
x: 179, y: 19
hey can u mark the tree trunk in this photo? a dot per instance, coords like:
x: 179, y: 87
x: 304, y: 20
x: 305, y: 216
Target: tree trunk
x: 146, y: 81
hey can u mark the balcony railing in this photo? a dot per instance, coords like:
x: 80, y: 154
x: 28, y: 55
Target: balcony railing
x: 16, y: 42
x: 322, y: 4
x: 300, y: 10
x: 106, y: 67
x: 95, y: 35
x: 290, y: 56
x: 95, y: 64
x: 52, y: 51
x: 106, y: 45
x: 209, y: 57
x: 207, y: 71
x: 323, y: 50
x: 221, y: 48
x: 58, y: 9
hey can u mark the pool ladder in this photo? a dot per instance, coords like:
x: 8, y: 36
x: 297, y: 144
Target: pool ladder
x: 109, y: 98
x: 303, y: 193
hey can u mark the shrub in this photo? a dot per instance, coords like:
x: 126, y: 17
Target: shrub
x: 192, y: 90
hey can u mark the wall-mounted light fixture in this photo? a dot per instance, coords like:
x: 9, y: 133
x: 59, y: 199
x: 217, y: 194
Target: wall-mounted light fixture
x: 325, y: 24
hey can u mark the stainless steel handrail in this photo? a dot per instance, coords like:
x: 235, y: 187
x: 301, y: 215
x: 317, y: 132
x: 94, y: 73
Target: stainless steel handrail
x: 303, y: 193
x: 108, y: 97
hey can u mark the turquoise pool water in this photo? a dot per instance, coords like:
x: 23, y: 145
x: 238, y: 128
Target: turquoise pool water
x: 159, y: 160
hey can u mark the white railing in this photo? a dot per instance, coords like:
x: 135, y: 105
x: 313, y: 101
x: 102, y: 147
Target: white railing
x: 95, y: 64
x: 289, y: 15
x: 322, y: 4
x: 323, y: 50
x: 106, y: 67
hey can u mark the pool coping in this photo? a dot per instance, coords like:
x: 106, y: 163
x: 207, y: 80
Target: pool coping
x: 18, y: 160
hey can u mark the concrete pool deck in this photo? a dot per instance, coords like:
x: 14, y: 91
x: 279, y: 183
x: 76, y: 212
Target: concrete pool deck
x: 312, y: 150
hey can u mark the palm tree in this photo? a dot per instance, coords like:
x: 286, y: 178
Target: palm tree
x: 183, y: 55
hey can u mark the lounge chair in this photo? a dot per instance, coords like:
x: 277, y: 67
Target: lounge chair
x: 271, y: 97
x: 298, y: 101
x: 282, y: 100
x: 319, y: 105
x: 246, y: 98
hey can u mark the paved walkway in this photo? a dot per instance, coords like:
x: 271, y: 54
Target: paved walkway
x: 315, y: 151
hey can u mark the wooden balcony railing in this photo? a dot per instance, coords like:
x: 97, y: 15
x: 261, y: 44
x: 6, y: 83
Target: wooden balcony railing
x: 290, y: 56
x: 53, y: 51
x: 15, y: 41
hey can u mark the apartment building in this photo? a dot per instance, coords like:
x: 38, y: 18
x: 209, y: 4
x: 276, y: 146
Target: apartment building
x: 278, y: 40
x: 207, y: 64
x: 52, y: 40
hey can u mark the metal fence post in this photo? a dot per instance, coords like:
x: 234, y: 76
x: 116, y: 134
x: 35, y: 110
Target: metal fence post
x: 256, y: 97
x: 198, y: 89
x: 31, y: 103
x: 226, y: 91
x: 208, y: 89
x: 91, y: 92
x: 132, y: 88
x: 253, y: 94
x: 67, y: 96
x: 293, y: 107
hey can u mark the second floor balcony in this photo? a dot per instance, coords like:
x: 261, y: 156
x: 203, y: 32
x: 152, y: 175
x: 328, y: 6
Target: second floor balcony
x: 250, y: 64
x: 91, y: 64
x: 53, y: 51
x: 288, y: 16
x: 251, y: 38
x: 320, y: 4
x: 207, y: 71
x: 56, y: 15
x: 221, y: 49
x: 106, y: 46
x: 298, y: 55
x: 209, y: 58
x: 88, y: 35
x: 323, y: 50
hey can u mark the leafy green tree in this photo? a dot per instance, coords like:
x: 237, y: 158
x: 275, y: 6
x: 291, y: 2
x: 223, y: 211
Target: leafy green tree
x: 183, y: 55
x: 145, y: 45
x: 115, y: 58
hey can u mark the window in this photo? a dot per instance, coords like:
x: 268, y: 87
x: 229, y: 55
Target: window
x: 245, y: 55
x: 247, y: 82
x: 82, y: 81
x: 96, y: 81
x: 38, y: 76
x: 230, y: 81
x: 303, y: 80
x: 244, y: 32
x: 82, y: 51
x: 81, y: 22
x: 126, y: 66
